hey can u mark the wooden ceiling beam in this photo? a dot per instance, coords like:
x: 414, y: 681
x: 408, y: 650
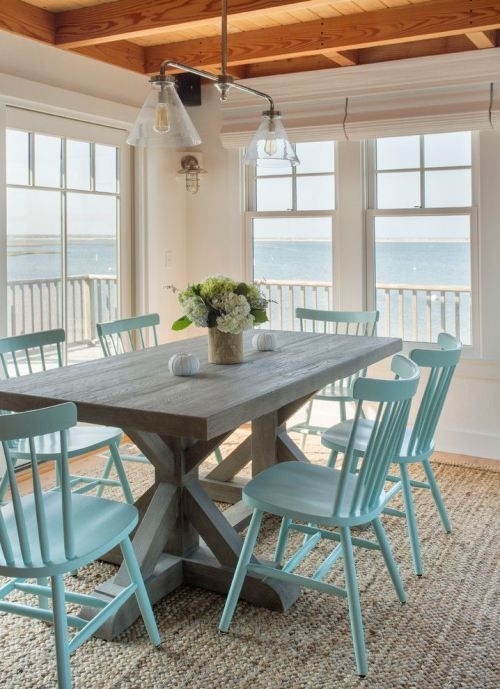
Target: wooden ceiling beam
x: 368, y: 29
x: 346, y: 59
x: 126, y: 19
x: 26, y: 20
x: 482, y: 39
x: 121, y: 54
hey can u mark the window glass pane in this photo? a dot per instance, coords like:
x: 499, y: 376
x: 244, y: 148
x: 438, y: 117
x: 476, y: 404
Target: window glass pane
x: 91, y: 264
x: 77, y: 164
x: 294, y: 258
x: 33, y: 248
x: 274, y: 194
x: 18, y: 157
x: 292, y: 249
x: 398, y: 190
x: 316, y: 193
x: 423, y: 276
x: 48, y: 150
x: 317, y: 156
x: 47, y: 288
x: 448, y: 188
x: 398, y: 153
x: 447, y: 150
x: 91, y: 235
x: 105, y: 168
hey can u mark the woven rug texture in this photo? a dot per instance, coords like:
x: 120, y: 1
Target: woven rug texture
x: 445, y: 637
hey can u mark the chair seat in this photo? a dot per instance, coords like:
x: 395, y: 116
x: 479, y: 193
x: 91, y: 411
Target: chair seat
x: 306, y: 492
x: 99, y: 525
x: 90, y: 438
x: 336, y: 438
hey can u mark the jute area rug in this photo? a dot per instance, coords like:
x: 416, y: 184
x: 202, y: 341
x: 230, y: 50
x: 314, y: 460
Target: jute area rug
x: 445, y: 637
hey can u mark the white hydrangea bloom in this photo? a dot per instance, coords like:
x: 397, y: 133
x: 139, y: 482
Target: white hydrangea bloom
x: 236, y: 315
x: 196, y: 311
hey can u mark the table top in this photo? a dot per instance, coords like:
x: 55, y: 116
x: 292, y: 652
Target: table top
x: 137, y: 391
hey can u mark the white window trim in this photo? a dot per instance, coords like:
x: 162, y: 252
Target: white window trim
x: 16, y: 117
x: 474, y: 350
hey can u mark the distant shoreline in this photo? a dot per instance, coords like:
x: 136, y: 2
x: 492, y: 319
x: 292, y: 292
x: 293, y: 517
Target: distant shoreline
x: 40, y: 240
x: 409, y: 240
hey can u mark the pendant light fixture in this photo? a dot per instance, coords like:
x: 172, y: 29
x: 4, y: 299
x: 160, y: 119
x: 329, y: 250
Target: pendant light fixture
x: 163, y: 120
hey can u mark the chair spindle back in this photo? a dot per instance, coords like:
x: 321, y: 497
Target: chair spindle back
x: 24, y: 354
x: 128, y: 334
x: 35, y: 544
x: 441, y: 364
x: 392, y: 399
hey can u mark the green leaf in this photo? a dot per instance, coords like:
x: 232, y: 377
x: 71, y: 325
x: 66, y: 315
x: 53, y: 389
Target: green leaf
x: 181, y: 323
x: 241, y: 288
x: 259, y: 315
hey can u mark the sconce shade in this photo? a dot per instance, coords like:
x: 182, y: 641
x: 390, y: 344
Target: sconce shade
x: 270, y: 146
x: 163, y: 121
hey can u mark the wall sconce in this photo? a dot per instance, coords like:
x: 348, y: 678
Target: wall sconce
x: 191, y: 168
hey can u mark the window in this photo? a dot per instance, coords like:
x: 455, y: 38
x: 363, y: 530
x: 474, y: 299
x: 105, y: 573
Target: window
x: 63, y: 229
x: 421, y: 226
x: 290, y: 225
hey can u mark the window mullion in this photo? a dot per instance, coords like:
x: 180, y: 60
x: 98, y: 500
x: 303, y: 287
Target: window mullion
x: 422, y: 174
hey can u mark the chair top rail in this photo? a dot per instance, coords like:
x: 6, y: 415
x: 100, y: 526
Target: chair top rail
x: 22, y: 354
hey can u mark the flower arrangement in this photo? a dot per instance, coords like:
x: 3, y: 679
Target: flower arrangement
x: 222, y: 303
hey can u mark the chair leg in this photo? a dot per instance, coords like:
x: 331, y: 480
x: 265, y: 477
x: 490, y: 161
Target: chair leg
x: 389, y: 560
x: 436, y: 494
x: 105, y: 474
x: 351, y: 581
x: 218, y: 455
x: 122, y: 476
x: 307, y: 423
x: 411, y: 520
x: 4, y: 484
x: 343, y: 410
x: 332, y: 458
x: 241, y: 570
x: 282, y: 540
x: 141, y: 594
x: 61, y: 633
x: 43, y: 601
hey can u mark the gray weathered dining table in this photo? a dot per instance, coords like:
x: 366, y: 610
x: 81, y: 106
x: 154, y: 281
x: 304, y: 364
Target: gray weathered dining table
x: 182, y: 536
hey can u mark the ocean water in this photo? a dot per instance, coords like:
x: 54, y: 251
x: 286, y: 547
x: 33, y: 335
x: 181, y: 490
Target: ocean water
x: 427, y: 263
x: 42, y: 259
x: 415, y: 263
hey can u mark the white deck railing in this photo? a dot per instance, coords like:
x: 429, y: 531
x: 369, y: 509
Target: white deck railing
x: 413, y: 312
x: 36, y: 304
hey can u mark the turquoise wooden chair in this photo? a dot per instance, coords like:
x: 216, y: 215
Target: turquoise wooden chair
x: 47, y: 534
x: 418, y: 444
x: 314, y: 500
x: 129, y: 335
x: 340, y: 391
x: 26, y: 354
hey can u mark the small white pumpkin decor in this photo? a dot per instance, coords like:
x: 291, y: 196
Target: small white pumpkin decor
x: 183, y: 364
x: 264, y: 342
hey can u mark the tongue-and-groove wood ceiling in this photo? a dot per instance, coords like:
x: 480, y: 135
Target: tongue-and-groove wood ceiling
x: 265, y: 36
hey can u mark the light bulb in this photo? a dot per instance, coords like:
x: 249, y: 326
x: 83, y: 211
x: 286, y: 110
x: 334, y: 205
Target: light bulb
x: 161, y: 122
x: 270, y: 144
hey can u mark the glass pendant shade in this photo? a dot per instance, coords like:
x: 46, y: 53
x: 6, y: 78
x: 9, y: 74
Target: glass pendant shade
x: 270, y: 146
x: 163, y: 121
